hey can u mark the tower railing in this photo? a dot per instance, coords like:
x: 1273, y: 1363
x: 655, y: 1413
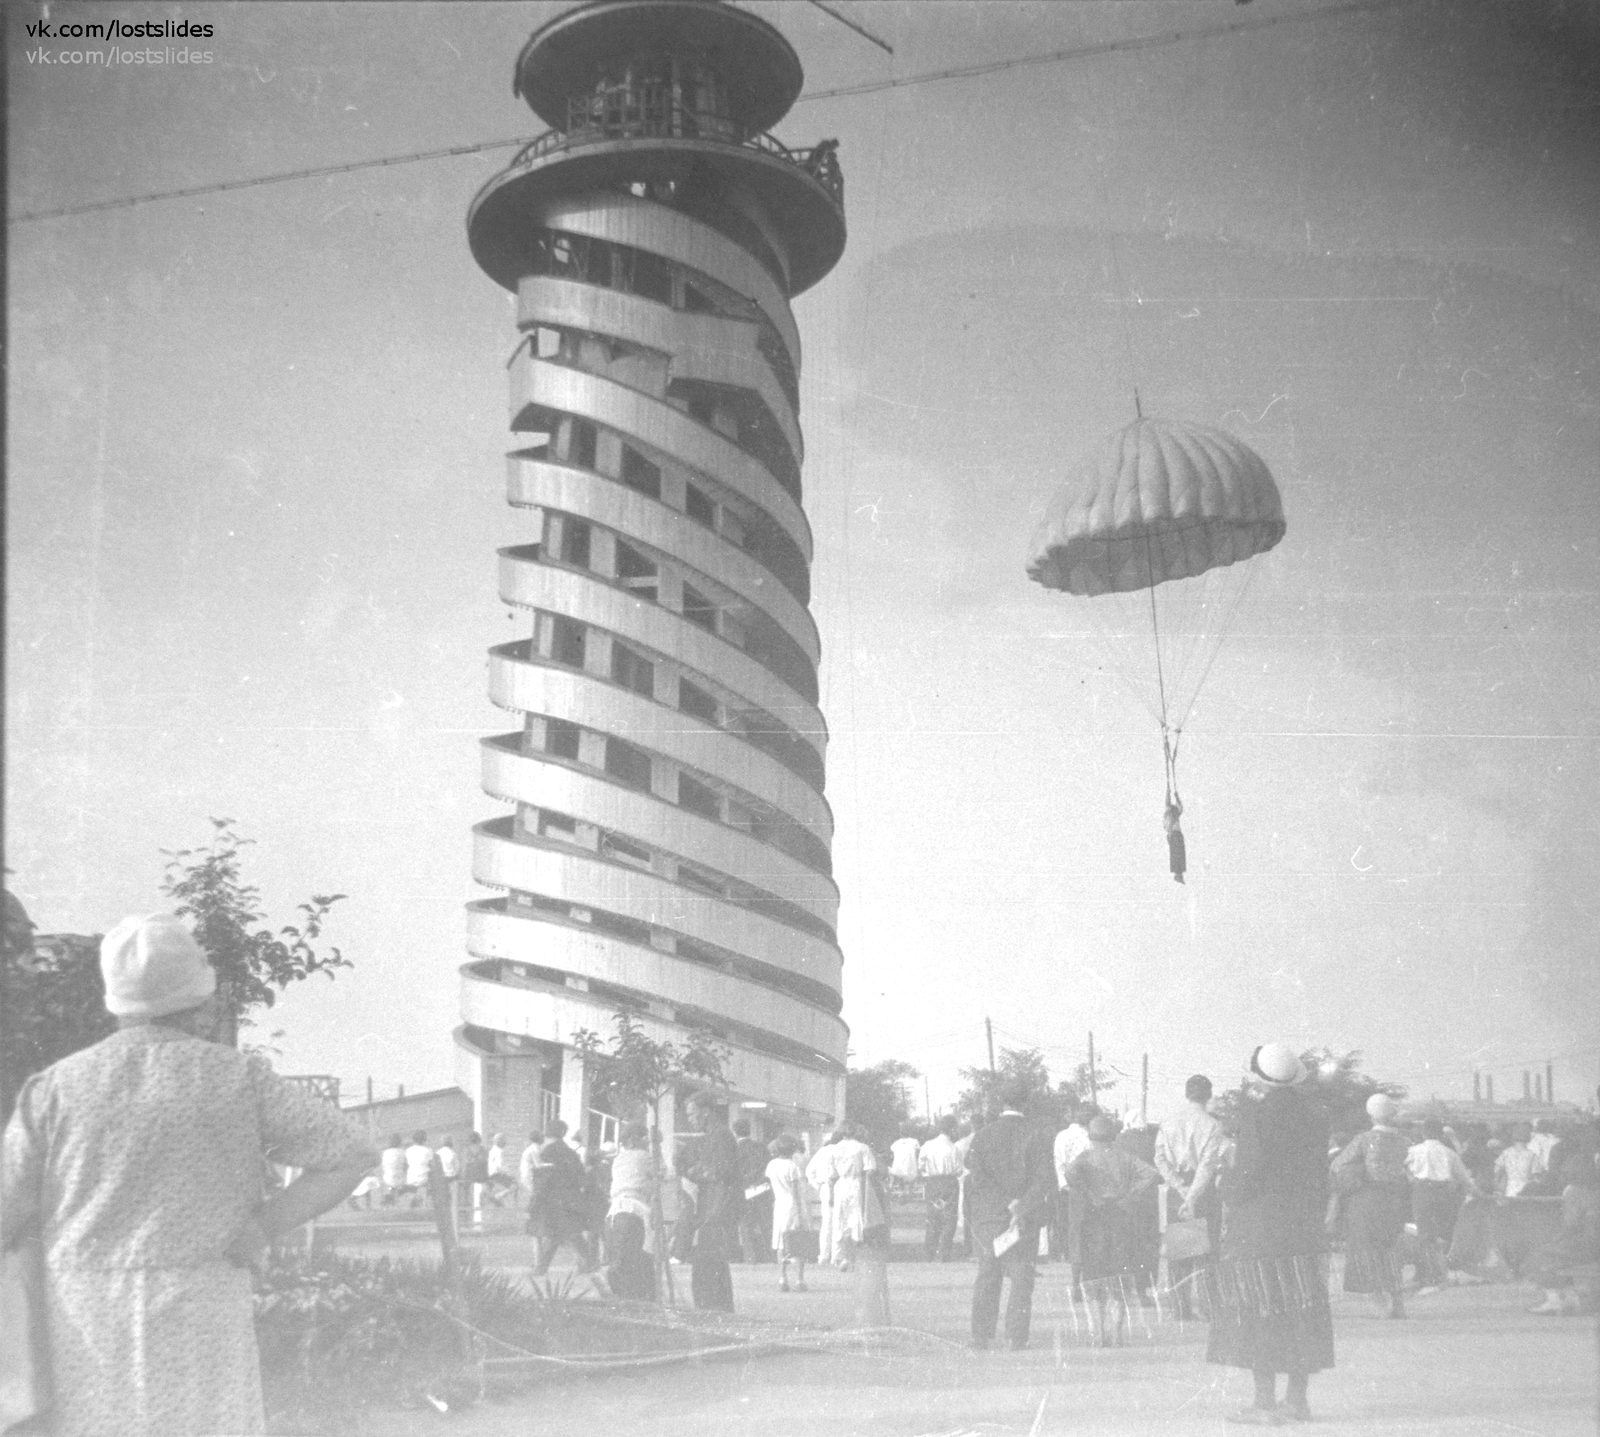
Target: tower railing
x: 655, y: 117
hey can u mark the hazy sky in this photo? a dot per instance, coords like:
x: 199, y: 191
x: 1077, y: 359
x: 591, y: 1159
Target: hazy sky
x: 256, y: 490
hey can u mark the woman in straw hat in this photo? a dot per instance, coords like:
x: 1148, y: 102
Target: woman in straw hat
x: 137, y: 1165
x: 1268, y: 1292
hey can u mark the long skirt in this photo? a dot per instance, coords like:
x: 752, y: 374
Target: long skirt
x: 153, y: 1352
x: 632, y: 1273
x: 1270, y: 1314
x: 1375, y: 1217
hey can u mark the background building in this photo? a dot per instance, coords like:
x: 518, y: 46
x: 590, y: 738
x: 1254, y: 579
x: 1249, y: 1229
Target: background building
x: 667, y: 849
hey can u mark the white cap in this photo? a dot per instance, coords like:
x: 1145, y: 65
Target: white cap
x: 152, y: 967
x: 1381, y: 1108
x: 1276, y: 1063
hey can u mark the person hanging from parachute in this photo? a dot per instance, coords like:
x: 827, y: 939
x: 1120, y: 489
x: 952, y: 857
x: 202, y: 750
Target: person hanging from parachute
x: 1177, y: 854
x: 1152, y: 529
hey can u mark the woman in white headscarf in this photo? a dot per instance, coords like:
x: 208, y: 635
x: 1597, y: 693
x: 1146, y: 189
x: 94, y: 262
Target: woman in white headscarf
x: 1268, y: 1291
x: 1372, y: 1173
x: 137, y: 1166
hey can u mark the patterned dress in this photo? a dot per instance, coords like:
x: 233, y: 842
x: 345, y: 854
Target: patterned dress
x: 137, y: 1161
x: 1268, y: 1292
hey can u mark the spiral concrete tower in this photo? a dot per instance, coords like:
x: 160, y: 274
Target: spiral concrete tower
x: 667, y: 849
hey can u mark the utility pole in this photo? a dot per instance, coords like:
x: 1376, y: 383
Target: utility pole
x: 1094, y: 1082
x: 988, y: 1031
x: 1144, y: 1090
x: 1549, y: 1082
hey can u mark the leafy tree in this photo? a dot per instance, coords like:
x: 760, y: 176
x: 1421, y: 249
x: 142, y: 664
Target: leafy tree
x: 1334, y: 1082
x: 638, y: 1072
x: 1339, y: 1087
x: 876, y: 1097
x: 53, y: 1001
x: 1089, y: 1088
x: 253, y: 963
x: 1044, y: 1105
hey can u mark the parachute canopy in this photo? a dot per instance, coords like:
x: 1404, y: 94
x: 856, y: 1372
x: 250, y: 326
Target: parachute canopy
x: 1157, y: 501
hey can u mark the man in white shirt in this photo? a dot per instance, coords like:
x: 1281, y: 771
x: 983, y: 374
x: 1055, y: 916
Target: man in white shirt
x: 1438, y: 1180
x: 495, y: 1165
x: 1188, y: 1154
x: 1516, y: 1167
x: 450, y: 1169
x: 419, y: 1163
x: 1541, y: 1144
x: 1070, y: 1144
x: 939, y: 1165
x: 963, y: 1222
x: 903, y: 1152
x: 530, y: 1160
x: 392, y: 1169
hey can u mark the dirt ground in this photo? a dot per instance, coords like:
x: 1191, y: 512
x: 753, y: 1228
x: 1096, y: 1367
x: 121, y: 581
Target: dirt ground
x: 1468, y: 1361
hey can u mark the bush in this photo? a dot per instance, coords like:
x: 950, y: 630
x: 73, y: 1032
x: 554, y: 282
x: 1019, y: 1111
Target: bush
x: 338, y: 1332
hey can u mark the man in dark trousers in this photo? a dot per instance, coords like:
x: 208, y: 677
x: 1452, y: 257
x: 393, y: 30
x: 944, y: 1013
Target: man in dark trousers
x: 755, y: 1225
x: 557, y: 1210
x: 1009, y: 1186
x: 712, y: 1165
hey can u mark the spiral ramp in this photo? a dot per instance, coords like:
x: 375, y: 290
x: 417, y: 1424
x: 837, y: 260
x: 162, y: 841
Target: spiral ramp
x: 666, y: 849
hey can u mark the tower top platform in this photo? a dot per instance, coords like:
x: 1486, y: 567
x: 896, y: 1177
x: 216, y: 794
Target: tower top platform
x: 564, y: 59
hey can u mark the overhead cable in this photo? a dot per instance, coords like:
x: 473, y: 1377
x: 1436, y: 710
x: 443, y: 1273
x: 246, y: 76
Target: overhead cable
x: 1110, y: 47
x: 217, y: 186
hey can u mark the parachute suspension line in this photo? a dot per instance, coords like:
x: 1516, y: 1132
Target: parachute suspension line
x: 1169, y: 745
x: 1155, y: 628
x: 1226, y: 624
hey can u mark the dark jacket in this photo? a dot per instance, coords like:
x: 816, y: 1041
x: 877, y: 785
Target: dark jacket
x: 1275, y: 1195
x: 1008, y: 1160
x: 712, y: 1164
x: 559, y: 1182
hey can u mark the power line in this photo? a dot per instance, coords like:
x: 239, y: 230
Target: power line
x: 1110, y: 47
x: 218, y: 186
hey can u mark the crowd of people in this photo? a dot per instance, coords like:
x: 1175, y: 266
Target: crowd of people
x: 1253, y: 1210
x: 135, y: 1171
x: 630, y: 1214
x: 1399, y: 1195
